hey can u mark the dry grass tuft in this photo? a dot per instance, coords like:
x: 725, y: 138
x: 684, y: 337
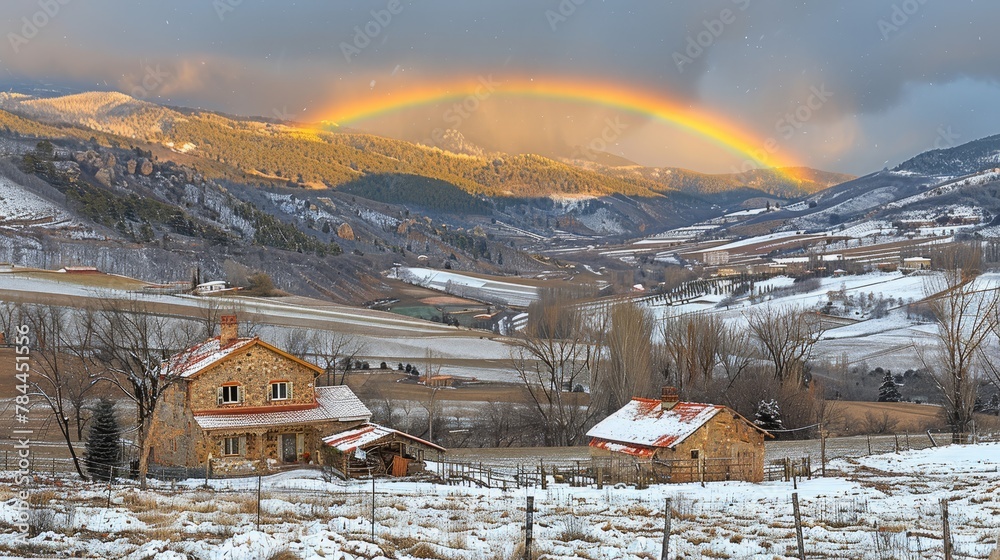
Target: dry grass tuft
x: 424, y: 550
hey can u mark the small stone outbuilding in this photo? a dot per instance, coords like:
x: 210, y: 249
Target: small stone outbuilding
x: 675, y: 441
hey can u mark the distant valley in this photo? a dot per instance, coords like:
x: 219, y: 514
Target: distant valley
x: 162, y: 193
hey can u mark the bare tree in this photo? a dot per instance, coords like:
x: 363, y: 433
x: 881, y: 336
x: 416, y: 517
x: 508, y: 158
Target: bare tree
x: 736, y: 353
x: 627, y: 369
x: 694, y: 346
x: 339, y: 349
x: 136, y: 351
x: 784, y: 338
x: 547, y: 367
x: 208, y: 313
x: 300, y: 343
x: 10, y: 314
x: 60, y: 378
x: 551, y: 357
x: 432, y: 368
x: 966, y: 314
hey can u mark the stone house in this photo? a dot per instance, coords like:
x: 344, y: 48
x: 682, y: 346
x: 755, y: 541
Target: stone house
x: 673, y: 441
x: 245, y: 406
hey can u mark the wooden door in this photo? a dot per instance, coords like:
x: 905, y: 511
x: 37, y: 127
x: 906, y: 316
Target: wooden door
x: 288, y: 453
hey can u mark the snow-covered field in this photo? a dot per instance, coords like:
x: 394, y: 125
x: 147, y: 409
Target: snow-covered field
x: 888, y: 341
x: 386, y: 335
x: 19, y: 205
x: 878, y: 507
x: 456, y: 283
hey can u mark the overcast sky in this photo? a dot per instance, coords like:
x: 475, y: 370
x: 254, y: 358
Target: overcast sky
x: 902, y: 76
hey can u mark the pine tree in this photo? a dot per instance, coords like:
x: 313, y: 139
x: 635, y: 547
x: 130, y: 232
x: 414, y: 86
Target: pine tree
x: 103, y: 442
x: 993, y: 407
x: 768, y: 416
x: 887, y: 391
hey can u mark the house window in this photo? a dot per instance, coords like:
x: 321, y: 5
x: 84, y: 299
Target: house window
x: 694, y: 453
x: 281, y: 390
x: 231, y: 446
x: 230, y: 394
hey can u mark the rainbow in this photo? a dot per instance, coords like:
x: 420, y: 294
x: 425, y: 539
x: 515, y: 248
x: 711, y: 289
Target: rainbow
x: 710, y: 126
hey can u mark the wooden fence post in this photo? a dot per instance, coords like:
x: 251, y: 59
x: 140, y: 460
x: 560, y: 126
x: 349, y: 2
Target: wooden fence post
x: 869, y: 443
x: 528, y: 521
x: 798, y: 526
x: 946, y: 529
x: 822, y: 451
x: 667, y: 514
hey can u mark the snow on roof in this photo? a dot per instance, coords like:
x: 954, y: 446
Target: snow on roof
x: 202, y: 355
x: 348, y: 441
x: 643, y: 422
x: 337, y: 403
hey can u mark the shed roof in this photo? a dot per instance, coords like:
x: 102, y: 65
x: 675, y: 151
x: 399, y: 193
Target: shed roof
x: 644, y: 422
x: 336, y: 403
x: 363, y: 436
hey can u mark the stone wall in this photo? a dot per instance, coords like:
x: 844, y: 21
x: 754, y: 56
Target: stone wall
x: 726, y: 436
x: 176, y: 438
x: 253, y: 368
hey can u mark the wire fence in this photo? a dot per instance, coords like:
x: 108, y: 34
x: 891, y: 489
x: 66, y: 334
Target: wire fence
x: 433, y: 521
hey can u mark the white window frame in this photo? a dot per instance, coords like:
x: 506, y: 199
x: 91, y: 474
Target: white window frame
x: 230, y: 388
x: 274, y: 388
x: 228, y: 444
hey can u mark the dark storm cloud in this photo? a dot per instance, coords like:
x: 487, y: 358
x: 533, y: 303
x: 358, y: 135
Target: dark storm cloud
x: 886, y: 61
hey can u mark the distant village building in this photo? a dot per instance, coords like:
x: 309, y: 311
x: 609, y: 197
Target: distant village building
x: 240, y: 405
x: 79, y: 270
x: 916, y: 263
x: 715, y: 258
x: 209, y: 288
x: 681, y: 441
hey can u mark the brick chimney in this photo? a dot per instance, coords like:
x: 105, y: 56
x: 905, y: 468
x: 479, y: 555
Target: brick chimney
x: 229, y: 329
x: 669, y: 397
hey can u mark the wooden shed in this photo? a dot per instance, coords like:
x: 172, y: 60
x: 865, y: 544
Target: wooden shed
x: 675, y: 441
x: 371, y: 449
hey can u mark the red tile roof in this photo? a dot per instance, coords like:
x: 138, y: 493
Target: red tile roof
x: 337, y: 403
x: 348, y: 441
x: 643, y: 424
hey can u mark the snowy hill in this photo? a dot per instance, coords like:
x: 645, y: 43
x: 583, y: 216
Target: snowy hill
x: 961, y: 160
x: 111, y: 112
